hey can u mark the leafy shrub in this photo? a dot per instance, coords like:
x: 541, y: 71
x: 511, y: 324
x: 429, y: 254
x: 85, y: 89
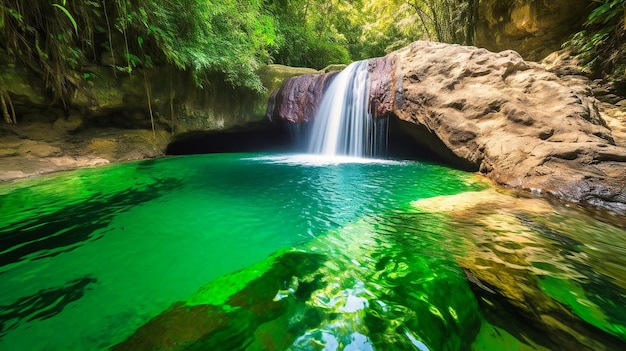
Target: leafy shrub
x: 600, y: 46
x: 230, y: 37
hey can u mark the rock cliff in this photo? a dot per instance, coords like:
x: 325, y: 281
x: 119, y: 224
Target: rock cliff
x: 108, y: 118
x: 532, y: 28
x: 508, y: 118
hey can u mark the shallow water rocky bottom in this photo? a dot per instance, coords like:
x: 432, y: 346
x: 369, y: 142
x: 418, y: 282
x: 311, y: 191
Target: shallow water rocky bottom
x: 291, y: 252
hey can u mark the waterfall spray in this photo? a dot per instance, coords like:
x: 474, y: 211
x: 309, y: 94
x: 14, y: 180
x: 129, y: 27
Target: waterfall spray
x: 343, y: 124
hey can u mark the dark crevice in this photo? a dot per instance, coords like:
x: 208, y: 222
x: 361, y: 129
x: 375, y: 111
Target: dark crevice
x: 416, y: 142
x: 405, y: 141
x: 264, y: 139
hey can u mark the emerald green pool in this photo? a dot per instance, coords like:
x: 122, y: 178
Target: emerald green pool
x: 273, y: 252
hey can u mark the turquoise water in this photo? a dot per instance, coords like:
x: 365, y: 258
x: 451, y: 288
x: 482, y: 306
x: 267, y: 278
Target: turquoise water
x: 336, y: 255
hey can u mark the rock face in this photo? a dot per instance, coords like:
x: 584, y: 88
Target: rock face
x: 107, y: 119
x: 296, y: 100
x: 512, y: 120
x: 177, y: 103
x: 532, y: 28
x: 103, y: 97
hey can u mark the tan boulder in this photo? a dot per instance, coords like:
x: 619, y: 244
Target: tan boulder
x: 512, y: 120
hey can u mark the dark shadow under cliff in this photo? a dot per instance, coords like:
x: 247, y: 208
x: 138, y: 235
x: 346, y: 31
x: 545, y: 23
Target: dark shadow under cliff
x: 233, y: 140
x: 284, y: 138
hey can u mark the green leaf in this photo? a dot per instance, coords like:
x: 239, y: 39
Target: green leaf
x: 67, y: 13
x: 86, y: 75
x: 140, y: 40
x: 15, y: 14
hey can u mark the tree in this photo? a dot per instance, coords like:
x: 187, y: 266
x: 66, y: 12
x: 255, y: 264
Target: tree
x: 227, y: 37
x: 449, y: 21
x: 308, y: 33
x: 374, y: 27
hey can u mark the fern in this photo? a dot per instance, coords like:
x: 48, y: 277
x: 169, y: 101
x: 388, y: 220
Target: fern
x: 606, y: 13
x: 593, y: 45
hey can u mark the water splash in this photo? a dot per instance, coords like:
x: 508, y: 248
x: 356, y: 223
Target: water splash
x: 343, y: 125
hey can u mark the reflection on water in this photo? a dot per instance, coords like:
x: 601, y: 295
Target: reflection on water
x: 43, y: 305
x: 249, y: 252
x: 544, y: 264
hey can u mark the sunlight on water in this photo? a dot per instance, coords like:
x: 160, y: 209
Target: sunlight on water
x: 257, y: 252
x: 324, y: 160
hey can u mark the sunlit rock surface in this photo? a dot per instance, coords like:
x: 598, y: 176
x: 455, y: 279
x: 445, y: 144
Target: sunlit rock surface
x: 532, y: 28
x: 513, y: 120
x: 529, y: 258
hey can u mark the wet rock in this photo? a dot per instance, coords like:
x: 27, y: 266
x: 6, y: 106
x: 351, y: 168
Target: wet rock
x: 515, y: 121
x: 21, y: 85
x: 297, y: 99
x: 531, y: 260
x: 377, y: 292
x: 240, y: 309
x: 30, y: 149
x: 383, y: 80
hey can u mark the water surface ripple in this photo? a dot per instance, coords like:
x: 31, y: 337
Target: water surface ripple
x: 303, y: 253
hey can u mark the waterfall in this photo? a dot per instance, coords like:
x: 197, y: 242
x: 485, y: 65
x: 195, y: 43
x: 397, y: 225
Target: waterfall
x: 343, y: 123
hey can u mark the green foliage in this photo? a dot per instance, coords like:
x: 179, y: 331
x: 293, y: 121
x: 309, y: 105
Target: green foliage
x: 372, y: 28
x: 216, y: 39
x: 306, y: 33
x: 606, y: 13
x: 69, y: 16
x: 228, y: 38
x: 445, y: 20
x: 600, y: 45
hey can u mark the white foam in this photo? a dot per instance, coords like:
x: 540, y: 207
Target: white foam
x: 321, y: 160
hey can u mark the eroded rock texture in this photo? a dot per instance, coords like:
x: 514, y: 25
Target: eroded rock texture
x: 534, y: 28
x: 512, y: 120
x: 298, y: 98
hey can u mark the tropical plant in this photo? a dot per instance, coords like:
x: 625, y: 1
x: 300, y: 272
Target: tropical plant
x: 216, y: 39
x: 231, y: 38
x: 308, y: 35
x: 375, y: 27
x: 601, y: 45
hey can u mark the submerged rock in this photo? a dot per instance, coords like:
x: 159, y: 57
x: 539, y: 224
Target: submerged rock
x: 354, y: 288
x: 510, y: 119
x: 534, y: 261
x: 232, y: 312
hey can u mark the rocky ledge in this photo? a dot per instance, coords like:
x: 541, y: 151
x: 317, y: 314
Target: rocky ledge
x: 36, y: 148
x: 513, y: 120
x: 108, y: 118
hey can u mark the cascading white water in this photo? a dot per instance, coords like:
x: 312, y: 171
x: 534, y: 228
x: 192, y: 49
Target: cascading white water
x: 343, y: 123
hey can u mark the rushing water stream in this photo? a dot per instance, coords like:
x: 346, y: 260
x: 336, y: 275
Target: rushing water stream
x: 343, y: 124
x: 250, y: 251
